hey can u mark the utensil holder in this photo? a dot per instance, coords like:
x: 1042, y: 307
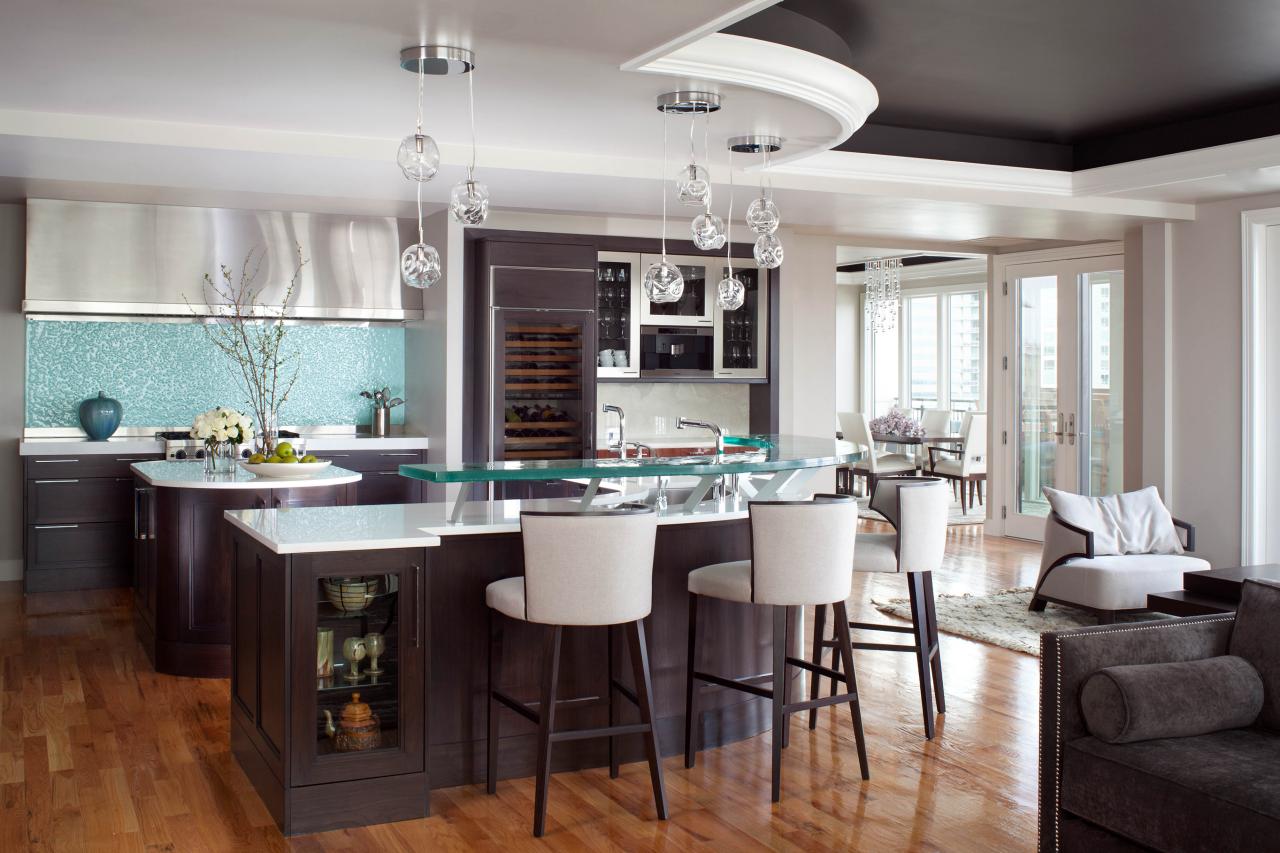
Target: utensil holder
x: 381, y: 421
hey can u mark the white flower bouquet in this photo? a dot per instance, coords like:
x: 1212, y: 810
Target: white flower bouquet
x: 897, y: 422
x: 222, y: 426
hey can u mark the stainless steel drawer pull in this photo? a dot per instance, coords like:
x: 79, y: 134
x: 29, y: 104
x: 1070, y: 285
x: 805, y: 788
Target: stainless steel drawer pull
x: 333, y: 455
x: 397, y: 454
x: 38, y: 482
x: 133, y: 459
x: 44, y: 461
x: 55, y: 526
x: 124, y: 479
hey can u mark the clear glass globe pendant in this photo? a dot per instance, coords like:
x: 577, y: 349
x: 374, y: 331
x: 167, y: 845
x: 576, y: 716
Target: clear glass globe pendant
x: 762, y: 215
x: 663, y: 282
x: 708, y: 231
x: 469, y: 202
x: 420, y: 266
x: 693, y: 185
x: 418, y: 157
x: 730, y: 293
x: 768, y: 251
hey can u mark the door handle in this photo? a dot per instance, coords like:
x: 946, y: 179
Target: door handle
x: 1060, y: 432
x: 55, y: 526
x: 1071, y: 428
x: 417, y: 592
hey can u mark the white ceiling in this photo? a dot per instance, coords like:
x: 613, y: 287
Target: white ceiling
x: 301, y: 103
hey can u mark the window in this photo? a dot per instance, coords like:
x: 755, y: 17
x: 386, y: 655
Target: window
x: 935, y: 357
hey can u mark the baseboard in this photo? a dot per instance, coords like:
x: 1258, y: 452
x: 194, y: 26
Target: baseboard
x: 11, y: 570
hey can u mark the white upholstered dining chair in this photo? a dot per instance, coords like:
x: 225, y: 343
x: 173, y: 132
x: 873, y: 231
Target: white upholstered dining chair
x: 875, y: 463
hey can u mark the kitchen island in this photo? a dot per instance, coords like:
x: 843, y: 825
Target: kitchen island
x: 311, y: 584
x: 182, y: 565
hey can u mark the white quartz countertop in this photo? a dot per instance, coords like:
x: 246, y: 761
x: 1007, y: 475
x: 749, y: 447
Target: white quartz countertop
x: 191, y: 475
x: 149, y: 445
x: 302, y: 530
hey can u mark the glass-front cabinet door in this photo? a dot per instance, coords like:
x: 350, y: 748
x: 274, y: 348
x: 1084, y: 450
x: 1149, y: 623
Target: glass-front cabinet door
x: 617, y: 298
x: 358, y: 665
x: 695, y: 306
x: 742, y: 335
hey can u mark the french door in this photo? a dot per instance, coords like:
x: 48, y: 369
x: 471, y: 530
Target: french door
x: 1067, y: 372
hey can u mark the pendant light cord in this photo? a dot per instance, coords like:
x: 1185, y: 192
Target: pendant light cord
x: 420, y: 237
x: 421, y: 77
x: 664, y: 187
x: 471, y: 108
x: 728, y: 255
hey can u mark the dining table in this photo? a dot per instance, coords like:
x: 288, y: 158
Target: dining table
x: 890, y: 438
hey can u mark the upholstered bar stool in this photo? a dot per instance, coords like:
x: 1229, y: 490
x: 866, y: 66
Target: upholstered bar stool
x: 917, y: 508
x: 580, y: 569
x: 801, y: 555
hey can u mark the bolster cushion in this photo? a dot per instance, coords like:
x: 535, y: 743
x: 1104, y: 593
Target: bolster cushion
x: 1123, y: 704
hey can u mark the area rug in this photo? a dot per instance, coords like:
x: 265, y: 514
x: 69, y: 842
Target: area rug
x: 975, y: 515
x: 1000, y: 618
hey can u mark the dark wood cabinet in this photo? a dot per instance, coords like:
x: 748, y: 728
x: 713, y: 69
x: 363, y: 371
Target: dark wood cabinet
x: 183, y: 600
x: 309, y: 782
x: 79, y: 515
x: 382, y: 483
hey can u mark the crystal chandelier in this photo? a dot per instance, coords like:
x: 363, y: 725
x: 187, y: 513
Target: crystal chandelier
x: 762, y: 214
x: 419, y: 159
x: 884, y: 293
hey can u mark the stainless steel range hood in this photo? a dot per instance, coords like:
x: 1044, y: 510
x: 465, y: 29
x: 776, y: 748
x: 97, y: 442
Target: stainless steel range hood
x: 104, y: 258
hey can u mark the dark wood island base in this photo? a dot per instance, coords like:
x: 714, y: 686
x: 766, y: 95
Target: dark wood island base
x: 431, y: 701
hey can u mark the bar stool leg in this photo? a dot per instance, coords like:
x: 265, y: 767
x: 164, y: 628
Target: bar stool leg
x: 613, y: 704
x: 644, y: 695
x: 819, y: 629
x: 935, y: 643
x: 495, y: 669
x: 692, y: 729
x: 845, y: 650
x: 546, y: 725
x: 779, y: 679
x: 921, y: 634
x: 793, y: 623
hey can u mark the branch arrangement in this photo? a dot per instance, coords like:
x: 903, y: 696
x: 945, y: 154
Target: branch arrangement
x: 251, y: 334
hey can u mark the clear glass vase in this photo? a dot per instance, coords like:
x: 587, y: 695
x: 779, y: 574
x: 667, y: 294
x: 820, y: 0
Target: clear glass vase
x: 219, y: 457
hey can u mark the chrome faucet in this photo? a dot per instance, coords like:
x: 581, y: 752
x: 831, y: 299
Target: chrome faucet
x: 688, y: 422
x: 621, y: 446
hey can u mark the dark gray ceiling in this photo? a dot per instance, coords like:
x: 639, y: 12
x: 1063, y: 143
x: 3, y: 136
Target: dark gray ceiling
x: 1067, y: 84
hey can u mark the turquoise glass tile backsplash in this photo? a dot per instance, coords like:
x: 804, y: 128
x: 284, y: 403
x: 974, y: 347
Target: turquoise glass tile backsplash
x: 165, y: 373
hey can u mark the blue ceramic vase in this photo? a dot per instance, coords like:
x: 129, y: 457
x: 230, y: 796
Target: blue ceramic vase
x: 100, y: 416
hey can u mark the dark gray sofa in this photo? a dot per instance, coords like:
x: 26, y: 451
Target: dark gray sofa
x: 1210, y: 792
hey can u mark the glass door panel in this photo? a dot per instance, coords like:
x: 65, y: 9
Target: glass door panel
x: 694, y: 308
x: 617, y: 297
x: 922, y: 352
x: 1068, y: 375
x: 741, y: 335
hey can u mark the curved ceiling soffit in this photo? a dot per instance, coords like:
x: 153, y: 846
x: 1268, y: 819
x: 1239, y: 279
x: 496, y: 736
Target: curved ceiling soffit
x: 789, y: 72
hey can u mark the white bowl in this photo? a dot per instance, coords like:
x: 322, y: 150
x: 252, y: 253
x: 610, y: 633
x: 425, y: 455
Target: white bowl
x: 286, y: 470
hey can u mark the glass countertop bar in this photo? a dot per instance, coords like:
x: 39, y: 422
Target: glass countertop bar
x: 763, y: 453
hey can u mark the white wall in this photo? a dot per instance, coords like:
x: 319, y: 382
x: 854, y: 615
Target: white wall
x: 848, y: 349
x: 1198, y: 265
x: 13, y: 227
x: 644, y: 403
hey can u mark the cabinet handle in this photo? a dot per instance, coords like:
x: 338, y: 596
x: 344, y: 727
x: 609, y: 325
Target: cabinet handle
x: 55, y: 526
x: 137, y: 511
x: 417, y: 593
x: 47, y: 461
x: 133, y: 459
x: 397, y: 454
x: 333, y: 455
x: 385, y: 473
x: 124, y: 479
x: 56, y: 481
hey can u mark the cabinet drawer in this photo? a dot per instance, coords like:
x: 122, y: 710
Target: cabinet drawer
x: 371, y: 460
x: 57, y: 500
x: 85, y: 465
x: 77, y: 556
x: 387, y: 487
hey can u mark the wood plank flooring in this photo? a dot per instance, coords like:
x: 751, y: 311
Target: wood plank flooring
x: 97, y: 752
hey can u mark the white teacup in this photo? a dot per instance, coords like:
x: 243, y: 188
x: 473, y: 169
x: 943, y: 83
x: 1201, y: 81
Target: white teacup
x: 620, y: 358
x: 606, y: 358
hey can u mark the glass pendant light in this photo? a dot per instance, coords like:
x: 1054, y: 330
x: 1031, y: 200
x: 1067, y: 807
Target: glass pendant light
x: 762, y: 214
x: 419, y: 160
x: 469, y: 199
x: 707, y: 228
x: 693, y: 183
x: 663, y: 281
x: 730, y: 293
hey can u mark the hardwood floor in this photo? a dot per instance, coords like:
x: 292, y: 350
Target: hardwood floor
x: 97, y: 752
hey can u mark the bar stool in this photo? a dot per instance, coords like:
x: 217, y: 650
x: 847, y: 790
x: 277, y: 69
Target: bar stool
x: 801, y: 555
x: 917, y: 507
x: 580, y: 569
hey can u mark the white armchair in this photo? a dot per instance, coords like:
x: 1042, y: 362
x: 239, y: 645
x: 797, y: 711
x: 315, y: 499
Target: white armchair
x: 1076, y: 572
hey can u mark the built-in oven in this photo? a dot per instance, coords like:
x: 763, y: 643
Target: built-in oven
x: 677, y: 351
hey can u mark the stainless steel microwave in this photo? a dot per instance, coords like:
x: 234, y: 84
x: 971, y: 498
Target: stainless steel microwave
x: 677, y: 351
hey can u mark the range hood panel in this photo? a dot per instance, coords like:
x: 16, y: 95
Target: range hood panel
x: 106, y: 258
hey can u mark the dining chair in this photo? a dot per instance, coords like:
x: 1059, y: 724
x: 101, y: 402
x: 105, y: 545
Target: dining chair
x: 969, y: 468
x: 875, y: 463
x: 934, y: 422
